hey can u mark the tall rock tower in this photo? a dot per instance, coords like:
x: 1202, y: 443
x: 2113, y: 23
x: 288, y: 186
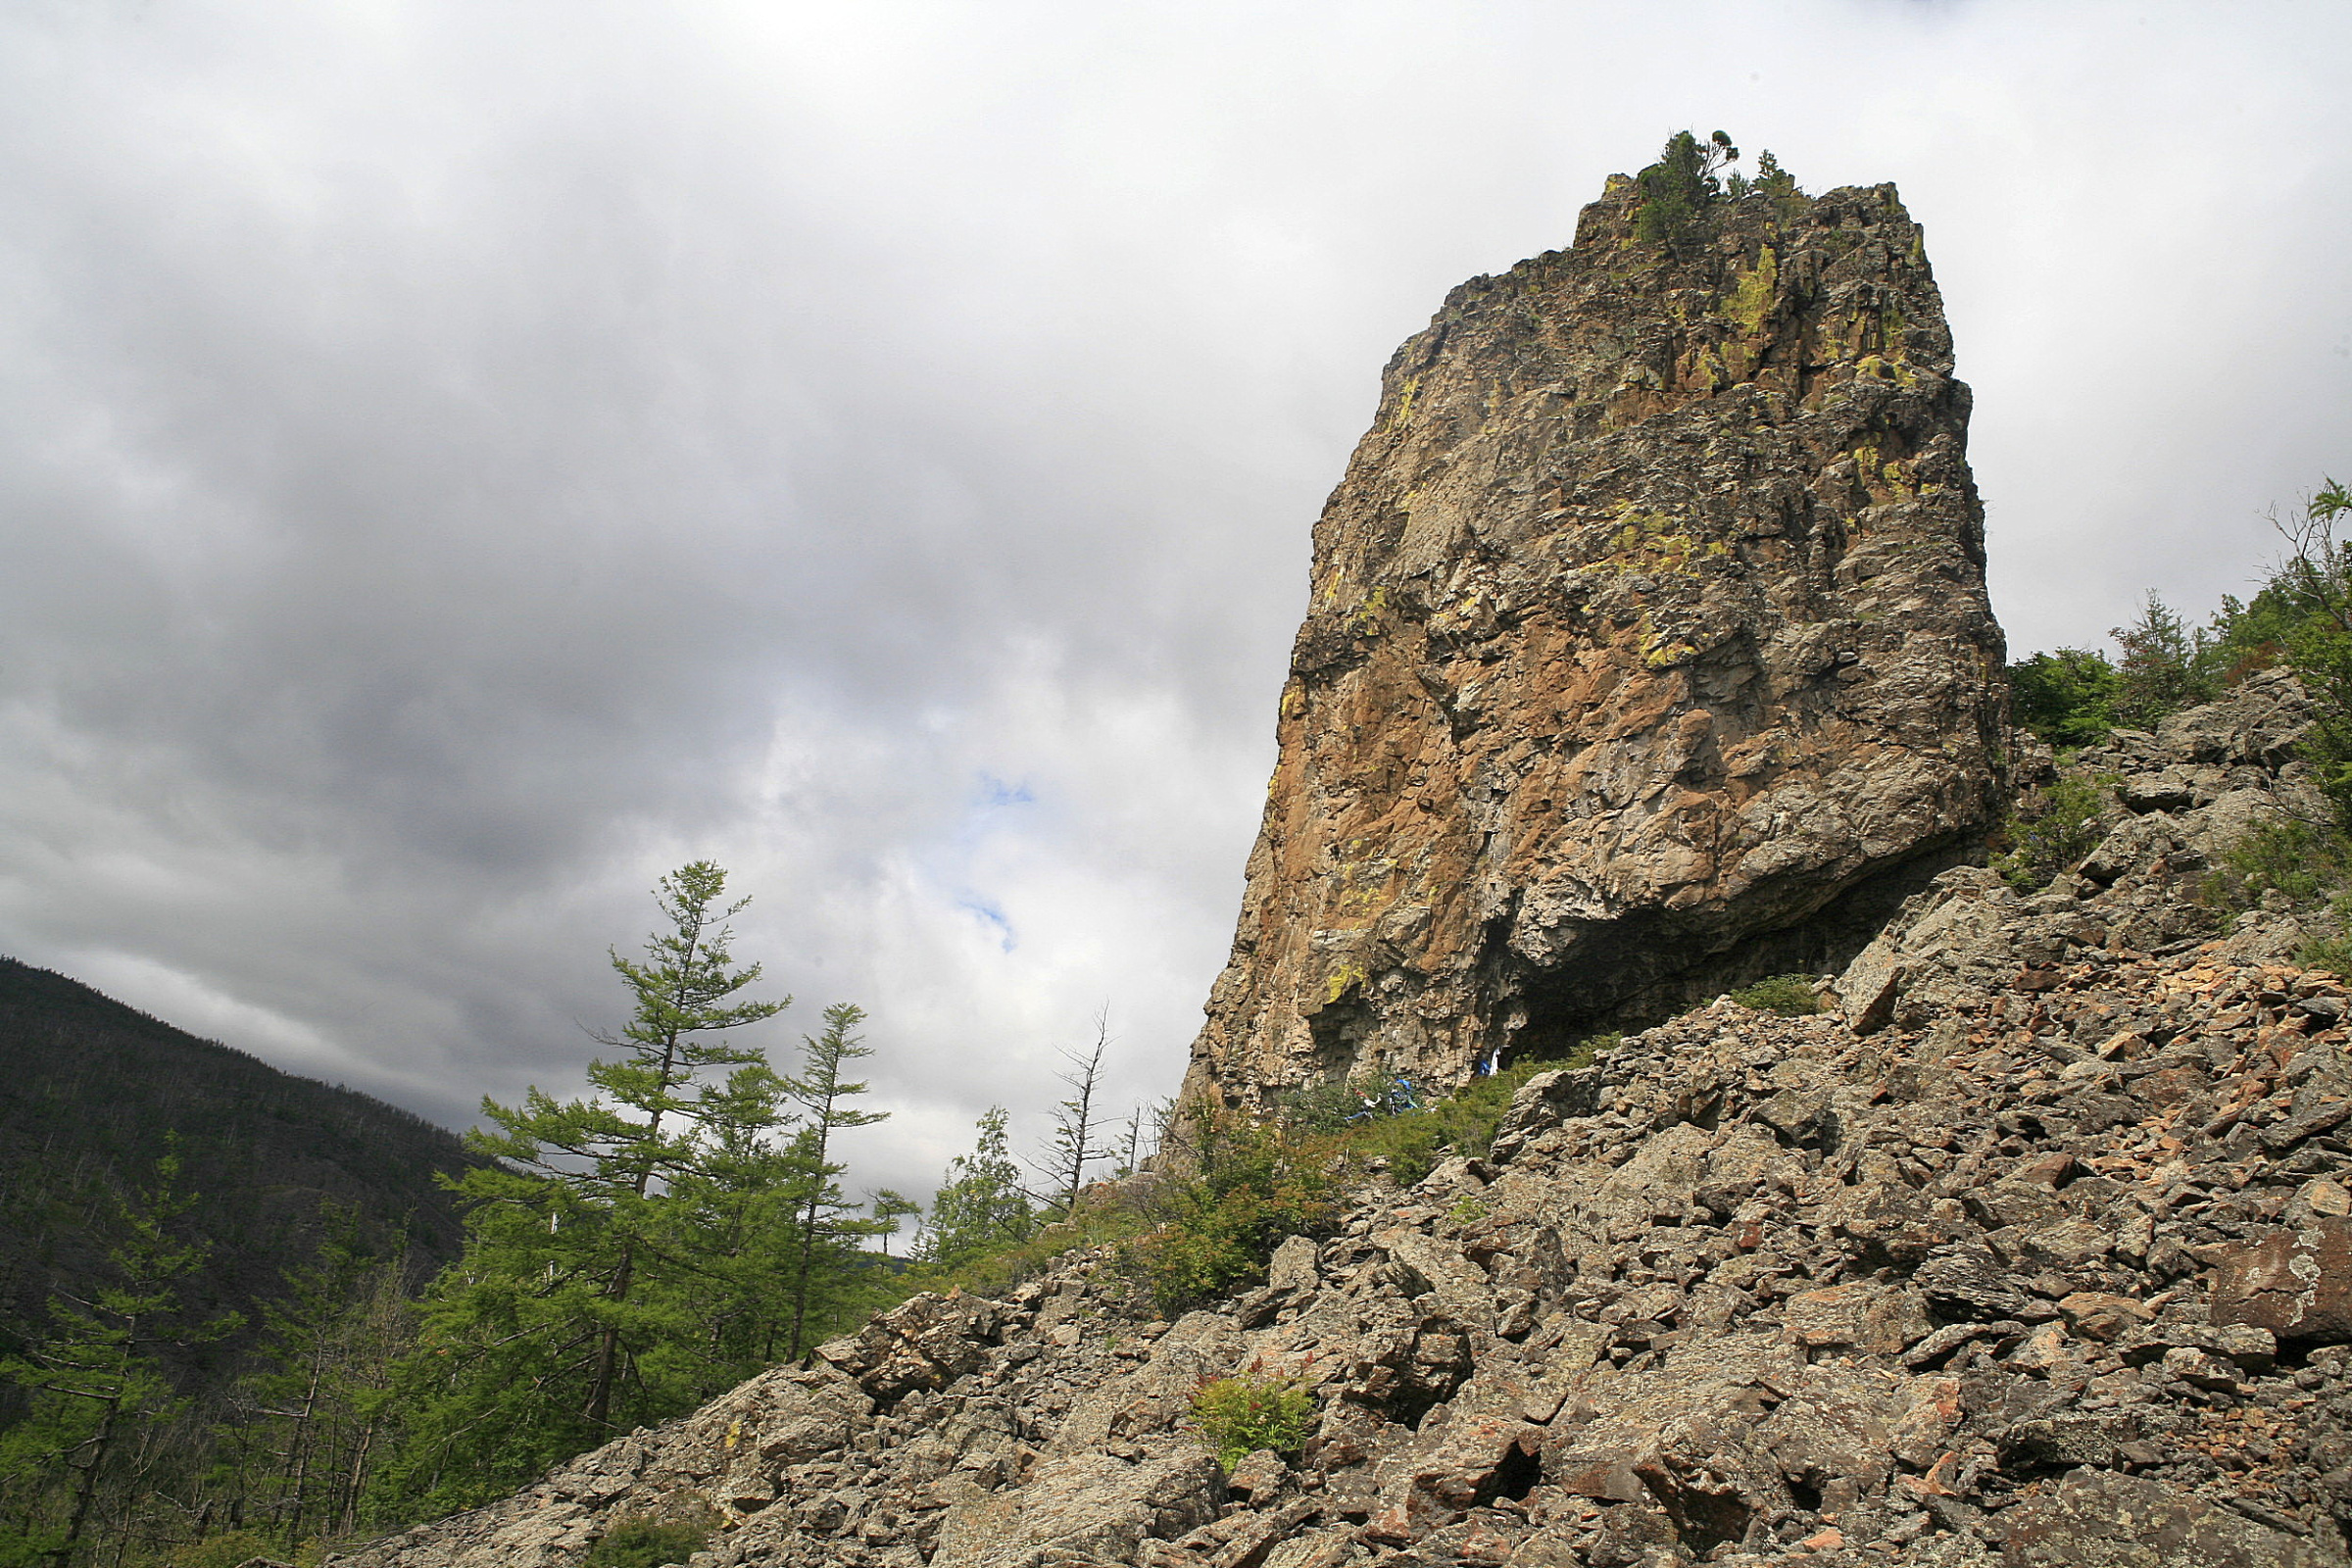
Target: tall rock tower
x: 1648, y: 650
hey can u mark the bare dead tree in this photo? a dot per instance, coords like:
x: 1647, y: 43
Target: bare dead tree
x: 1079, y: 1128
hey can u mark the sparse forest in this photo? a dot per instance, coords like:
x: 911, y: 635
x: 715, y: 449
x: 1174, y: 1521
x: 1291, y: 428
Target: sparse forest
x: 190, y: 1394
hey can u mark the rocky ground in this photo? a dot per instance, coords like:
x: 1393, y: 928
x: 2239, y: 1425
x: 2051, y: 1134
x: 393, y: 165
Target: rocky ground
x: 2038, y: 1251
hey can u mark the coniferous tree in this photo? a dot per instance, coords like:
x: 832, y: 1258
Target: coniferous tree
x: 94, y: 1384
x: 981, y: 1207
x: 2167, y: 665
x: 1677, y: 189
x: 302, y: 1434
x: 889, y: 1206
x: 572, y: 1314
x: 734, y: 1223
x: 1078, y: 1139
x: 825, y: 1228
x: 682, y: 993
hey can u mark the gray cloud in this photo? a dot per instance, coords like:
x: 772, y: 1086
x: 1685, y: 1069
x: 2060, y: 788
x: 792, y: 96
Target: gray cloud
x: 458, y: 461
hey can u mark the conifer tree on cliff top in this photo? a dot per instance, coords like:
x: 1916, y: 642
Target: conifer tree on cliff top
x: 1677, y: 189
x: 619, y: 1264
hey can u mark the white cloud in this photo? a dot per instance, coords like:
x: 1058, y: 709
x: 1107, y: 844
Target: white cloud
x: 458, y: 463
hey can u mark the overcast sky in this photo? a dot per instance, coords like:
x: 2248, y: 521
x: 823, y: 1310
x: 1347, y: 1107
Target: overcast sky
x: 460, y: 459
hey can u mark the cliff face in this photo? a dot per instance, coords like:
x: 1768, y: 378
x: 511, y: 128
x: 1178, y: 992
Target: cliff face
x: 1648, y: 648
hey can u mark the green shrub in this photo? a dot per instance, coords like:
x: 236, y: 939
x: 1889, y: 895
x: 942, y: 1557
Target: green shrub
x: 224, y: 1550
x: 2301, y: 860
x: 1677, y: 188
x: 1321, y: 1110
x: 1239, y: 1415
x: 1792, y: 996
x: 2167, y: 665
x: 1247, y: 1185
x: 1336, y: 1105
x: 1414, y: 1140
x: 2308, y: 863
x: 1105, y: 1216
x: 2332, y: 954
x: 1230, y: 1190
x: 639, y: 1541
x: 2053, y: 829
x: 2067, y: 697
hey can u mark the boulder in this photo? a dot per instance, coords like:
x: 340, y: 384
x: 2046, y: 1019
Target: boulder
x: 2116, y: 1521
x: 2295, y: 1284
x: 1088, y: 1507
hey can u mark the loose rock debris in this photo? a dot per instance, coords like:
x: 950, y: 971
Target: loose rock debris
x: 2052, y: 1277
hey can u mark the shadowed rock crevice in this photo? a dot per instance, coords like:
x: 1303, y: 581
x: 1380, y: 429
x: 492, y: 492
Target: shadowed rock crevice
x: 1649, y: 967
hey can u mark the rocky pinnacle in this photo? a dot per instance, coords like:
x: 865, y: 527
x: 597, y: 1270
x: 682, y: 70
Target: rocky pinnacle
x: 1648, y: 650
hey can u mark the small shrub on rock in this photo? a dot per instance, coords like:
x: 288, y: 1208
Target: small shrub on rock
x: 1792, y: 996
x: 639, y: 1541
x: 2300, y: 859
x: 1413, y: 1141
x: 1251, y: 1184
x: 1239, y: 1415
x: 2053, y: 829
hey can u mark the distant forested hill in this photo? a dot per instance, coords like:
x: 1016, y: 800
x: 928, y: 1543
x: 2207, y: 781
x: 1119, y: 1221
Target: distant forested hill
x: 90, y: 1090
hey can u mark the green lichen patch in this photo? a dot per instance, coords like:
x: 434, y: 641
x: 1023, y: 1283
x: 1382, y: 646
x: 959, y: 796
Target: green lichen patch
x: 1404, y: 403
x: 1753, y: 295
x: 1653, y: 542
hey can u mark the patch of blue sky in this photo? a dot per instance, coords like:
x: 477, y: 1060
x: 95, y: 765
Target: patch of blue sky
x: 995, y: 792
x: 990, y: 915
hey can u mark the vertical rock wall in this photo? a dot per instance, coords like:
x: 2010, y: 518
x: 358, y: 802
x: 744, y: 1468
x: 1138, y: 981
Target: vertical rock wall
x: 1648, y: 646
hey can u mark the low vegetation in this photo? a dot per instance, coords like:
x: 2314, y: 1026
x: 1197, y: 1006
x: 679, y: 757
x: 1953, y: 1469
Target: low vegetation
x: 1690, y: 178
x: 2074, y: 699
x: 639, y: 1542
x: 1792, y: 996
x: 1237, y: 1416
x: 1230, y: 1188
x: 2053, y: 829
x: 2300, y: 618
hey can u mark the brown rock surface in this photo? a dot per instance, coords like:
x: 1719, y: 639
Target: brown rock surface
x: 1649, y: 642
x: 2295, y: 1284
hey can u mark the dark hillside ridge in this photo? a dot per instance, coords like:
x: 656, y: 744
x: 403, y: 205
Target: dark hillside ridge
x: 89, y: 1089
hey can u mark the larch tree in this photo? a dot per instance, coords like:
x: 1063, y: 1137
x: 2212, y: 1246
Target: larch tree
x: 94, y: 1380
x: 981, y: 1207
x: 1080, y: 1129
x: 821, y: 1090
x: 573, y: 1313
